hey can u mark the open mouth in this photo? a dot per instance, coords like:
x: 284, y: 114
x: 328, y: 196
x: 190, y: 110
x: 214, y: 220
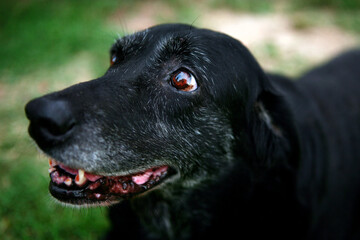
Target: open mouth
x: 78, y: 187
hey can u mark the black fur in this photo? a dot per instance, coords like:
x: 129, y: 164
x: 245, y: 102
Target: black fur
x: 256, y: 155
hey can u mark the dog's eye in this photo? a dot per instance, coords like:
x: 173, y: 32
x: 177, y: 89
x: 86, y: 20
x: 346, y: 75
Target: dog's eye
x: 113, y: 59
x: 184, y: 81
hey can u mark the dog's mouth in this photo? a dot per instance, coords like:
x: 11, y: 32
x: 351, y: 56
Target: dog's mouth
x: 75, y: 186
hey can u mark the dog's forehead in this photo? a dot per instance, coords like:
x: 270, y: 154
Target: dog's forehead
x: 160, y: 35
x: 159, y: 32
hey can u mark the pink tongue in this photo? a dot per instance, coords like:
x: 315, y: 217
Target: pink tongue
x: 142, y: 178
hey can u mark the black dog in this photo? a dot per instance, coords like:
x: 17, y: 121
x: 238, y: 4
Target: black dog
x: 190, y: 139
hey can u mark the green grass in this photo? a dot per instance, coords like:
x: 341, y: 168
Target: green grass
x: 244, y: 5
x: 349, y: 20
x: 46, y: 46
x: 329, y: 4
x: 43, y: 34
x: 343, y: 13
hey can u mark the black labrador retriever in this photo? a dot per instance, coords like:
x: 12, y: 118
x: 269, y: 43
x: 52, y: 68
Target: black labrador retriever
x: 186, y: 137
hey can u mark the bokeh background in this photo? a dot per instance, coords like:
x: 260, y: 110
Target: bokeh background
x: 49, y: 45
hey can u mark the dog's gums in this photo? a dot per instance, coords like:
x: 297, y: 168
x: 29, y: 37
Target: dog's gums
x: 76, y: 186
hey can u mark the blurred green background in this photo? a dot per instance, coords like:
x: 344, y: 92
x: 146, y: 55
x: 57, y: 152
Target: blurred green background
x: 48, y: 45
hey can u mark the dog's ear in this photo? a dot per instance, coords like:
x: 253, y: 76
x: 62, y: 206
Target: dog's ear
x: 271, y: 128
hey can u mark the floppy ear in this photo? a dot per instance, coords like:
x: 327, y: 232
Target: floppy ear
x: 272, y: 130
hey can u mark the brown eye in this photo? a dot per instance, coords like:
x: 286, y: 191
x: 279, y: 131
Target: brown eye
x: 113, y: 59
x: 184, y: 81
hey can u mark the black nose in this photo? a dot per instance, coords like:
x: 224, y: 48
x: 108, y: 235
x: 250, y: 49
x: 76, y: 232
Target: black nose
x: 51, y: 121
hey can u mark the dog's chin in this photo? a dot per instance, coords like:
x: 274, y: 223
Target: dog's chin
x: 77, y: 187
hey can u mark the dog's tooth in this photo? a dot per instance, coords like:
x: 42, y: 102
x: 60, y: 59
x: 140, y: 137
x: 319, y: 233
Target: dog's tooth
x: 51, y: 162
x: 81, y: 173
x: 97, y: 195
x: 80, y: 178
x: 68, y: 182
x: 51, y: 169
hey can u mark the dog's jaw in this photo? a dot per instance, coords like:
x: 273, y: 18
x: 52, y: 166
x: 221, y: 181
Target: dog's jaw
x: 77, y: 187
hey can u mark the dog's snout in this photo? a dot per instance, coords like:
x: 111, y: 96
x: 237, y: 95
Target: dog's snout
x: 51, y: 121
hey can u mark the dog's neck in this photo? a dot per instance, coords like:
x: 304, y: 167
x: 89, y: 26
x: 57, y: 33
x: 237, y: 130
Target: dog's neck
x: 169, y: 214
x: 174, y: 213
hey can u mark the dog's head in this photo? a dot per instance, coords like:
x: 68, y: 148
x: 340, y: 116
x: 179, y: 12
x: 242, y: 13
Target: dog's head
x: 177, y: 105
